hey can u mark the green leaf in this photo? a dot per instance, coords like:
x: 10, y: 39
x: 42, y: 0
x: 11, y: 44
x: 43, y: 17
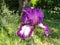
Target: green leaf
x: 33, y: 2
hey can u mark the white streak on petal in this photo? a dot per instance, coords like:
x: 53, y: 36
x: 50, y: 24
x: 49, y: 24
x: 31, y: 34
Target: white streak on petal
x: 25, y: 30
x: 22, y: 30
x: 41, y: 25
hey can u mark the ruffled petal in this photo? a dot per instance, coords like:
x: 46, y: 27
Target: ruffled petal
x: 46, y: 30
x: 25, y: 31
x: 27, y: 11
x: 35, y: 15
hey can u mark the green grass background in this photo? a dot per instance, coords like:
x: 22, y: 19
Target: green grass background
x: 10, y: 22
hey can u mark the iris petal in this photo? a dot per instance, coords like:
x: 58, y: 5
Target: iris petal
x: 24, y: 31
x: 47, y: 31
x: 30, y: 19
x: 36, y: 15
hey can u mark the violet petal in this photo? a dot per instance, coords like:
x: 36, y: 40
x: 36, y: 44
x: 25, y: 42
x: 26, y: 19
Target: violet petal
x: 35, y: 15
x: 24, y: 31
x: 47, y: 31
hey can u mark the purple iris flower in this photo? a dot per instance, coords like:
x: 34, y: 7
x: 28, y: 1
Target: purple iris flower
x: 31, y: 18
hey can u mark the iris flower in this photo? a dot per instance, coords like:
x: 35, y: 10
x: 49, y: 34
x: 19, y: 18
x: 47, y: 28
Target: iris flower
x: 31, y: 18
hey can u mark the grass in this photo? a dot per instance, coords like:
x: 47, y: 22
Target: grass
x: 9, y: 24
